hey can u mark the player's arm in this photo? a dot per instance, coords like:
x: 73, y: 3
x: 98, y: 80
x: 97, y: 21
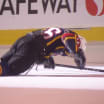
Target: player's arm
x: 80, y: 59
x: 49, y: 62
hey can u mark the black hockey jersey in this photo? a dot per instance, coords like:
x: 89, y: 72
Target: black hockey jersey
x: 56, y: 41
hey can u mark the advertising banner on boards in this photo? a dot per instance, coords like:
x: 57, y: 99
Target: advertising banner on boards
x: 26, y: 14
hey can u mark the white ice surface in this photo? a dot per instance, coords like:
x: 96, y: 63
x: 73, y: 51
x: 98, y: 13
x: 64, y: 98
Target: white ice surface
x: 37, y: 79
x: 62, y: 71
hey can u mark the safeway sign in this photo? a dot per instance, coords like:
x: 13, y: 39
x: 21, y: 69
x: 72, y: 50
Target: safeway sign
x: 25, y: 14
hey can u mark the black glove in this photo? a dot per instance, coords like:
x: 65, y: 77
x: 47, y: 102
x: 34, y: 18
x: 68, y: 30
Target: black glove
x: 80, y: 59
x: 49, y: 63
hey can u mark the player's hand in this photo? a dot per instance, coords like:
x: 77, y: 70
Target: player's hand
x: 49, y: 63
x: 80, y: 59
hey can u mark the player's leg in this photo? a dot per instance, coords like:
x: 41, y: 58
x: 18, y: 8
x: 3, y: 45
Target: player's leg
x: 6, y: 57
x: 25, y: 56
x: 12, y: 56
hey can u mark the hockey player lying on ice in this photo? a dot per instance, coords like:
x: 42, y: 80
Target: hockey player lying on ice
x: 39, y: 47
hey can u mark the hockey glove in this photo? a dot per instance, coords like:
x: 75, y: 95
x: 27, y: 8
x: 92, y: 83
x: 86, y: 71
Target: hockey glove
x: 80, y: 59
x: 49, y: 63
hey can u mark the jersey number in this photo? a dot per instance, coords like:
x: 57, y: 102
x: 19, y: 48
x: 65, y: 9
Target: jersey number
x: 49, y: 33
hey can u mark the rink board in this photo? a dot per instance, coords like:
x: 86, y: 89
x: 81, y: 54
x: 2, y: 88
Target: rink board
x: 59, y: 86
x: 8, y: 37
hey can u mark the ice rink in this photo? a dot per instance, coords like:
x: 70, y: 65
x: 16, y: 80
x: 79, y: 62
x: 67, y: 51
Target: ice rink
x: 60, y: 86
